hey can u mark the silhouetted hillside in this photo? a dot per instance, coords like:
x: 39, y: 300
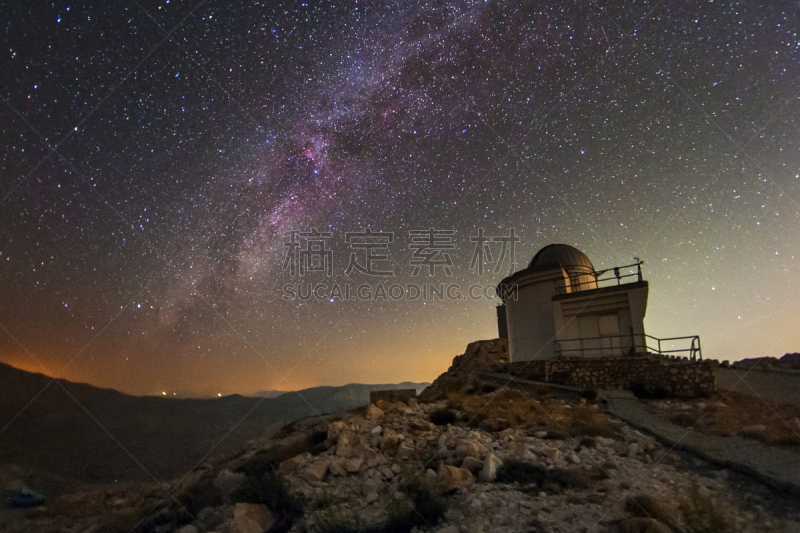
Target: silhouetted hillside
x: 77, y: 431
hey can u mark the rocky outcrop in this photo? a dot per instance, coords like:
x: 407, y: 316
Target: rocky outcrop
x: 392, y: 395
x: 388, y: 467
x: 373, y: 465
x: 481, y: 357
x: 790, y: 362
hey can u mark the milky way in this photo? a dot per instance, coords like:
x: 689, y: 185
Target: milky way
x: 158, y: 155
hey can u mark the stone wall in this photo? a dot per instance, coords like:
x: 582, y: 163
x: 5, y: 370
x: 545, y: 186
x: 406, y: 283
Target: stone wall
x: 647, y: 374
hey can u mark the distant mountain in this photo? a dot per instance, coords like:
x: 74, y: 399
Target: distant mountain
x: 267, y: 393
x: 79, y: 432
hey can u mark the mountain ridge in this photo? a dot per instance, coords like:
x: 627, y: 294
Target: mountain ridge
x: 83, y: 433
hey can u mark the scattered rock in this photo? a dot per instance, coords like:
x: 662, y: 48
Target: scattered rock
x: 490, y: 466
x: 315, y: 470
x: 391, y: 440
x: 420, y: 425
x: 472, y: 464
x: 353, y: 465
x: 373, y: 412
x: 451, y: 478
x: 252, y: 518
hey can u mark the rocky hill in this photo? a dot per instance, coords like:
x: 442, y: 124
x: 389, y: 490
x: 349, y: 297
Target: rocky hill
x: 790, y: 362
x: 62, y: 432
x: 481, y: 461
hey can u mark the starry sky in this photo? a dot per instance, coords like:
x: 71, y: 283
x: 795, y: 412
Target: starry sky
x: 165, y: 164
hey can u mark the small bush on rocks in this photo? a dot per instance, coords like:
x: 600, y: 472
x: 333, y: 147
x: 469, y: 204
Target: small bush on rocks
x: 269, y: 490
x: 333, y: 518
x: 521, y: 472
x: 649, y: 392
x: 418, y: 508
x: 553, y: 480
x: 258, y: 465
x: 685, y: 420
x: 590, y: 395
x: 645, y: 506
x: 442, y: 417
x: 701, y: 514
x: 315, y: 442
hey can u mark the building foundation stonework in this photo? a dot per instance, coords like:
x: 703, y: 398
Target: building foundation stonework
x: 644, y: 374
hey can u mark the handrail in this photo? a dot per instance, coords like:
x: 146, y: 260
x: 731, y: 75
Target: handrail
x: 562, y: 288
x: 694, y: 350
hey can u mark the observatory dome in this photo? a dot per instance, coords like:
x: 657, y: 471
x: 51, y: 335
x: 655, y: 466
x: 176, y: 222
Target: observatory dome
x: 571, y: 259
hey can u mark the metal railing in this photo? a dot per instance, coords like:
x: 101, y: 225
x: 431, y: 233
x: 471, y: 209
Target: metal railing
x: 600, y: 279
x: 620, y: 345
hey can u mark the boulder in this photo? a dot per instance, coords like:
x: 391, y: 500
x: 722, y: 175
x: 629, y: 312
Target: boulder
x: 315, y: 470
x: 467, y: 448
x: 451, y: 478
x: 353, y: 465
x: 252, y: 518
x: 490, y: 466
x: 373, y: 412
x: 336, y: 466
x: 472, y: 464
x: 420, y: 425
x: 391, y: 440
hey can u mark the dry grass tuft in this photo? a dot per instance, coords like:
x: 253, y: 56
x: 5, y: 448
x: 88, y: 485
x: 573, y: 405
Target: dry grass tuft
x: 700, y: 513
x: 645, y: 506
x: 511, y: 408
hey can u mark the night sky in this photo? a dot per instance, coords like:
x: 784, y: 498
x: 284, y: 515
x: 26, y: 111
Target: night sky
x: 160, y: 158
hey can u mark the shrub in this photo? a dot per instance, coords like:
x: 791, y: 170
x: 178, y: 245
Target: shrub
x: 555, y: 479
x: 521, y: 472
x: 569, y: 479
x: 200, y: 495
x: 701, y: 514
x: 258, y: 465
x: 442, y: 417
x: 488, y: 388
x: 417, y: 508
x: 646, y: 506
x: 649, y: 392
x: 455, y: 400
x: 334, y: 518
x: 315, y: 442
x: 270, y: 490
x: 588, y: 422
x: 685, y: 420
x: 590, y: 395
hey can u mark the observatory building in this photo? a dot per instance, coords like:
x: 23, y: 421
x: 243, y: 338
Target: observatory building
x: 563, y: 306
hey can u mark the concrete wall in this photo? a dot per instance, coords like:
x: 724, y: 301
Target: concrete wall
x: 531, y: 325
